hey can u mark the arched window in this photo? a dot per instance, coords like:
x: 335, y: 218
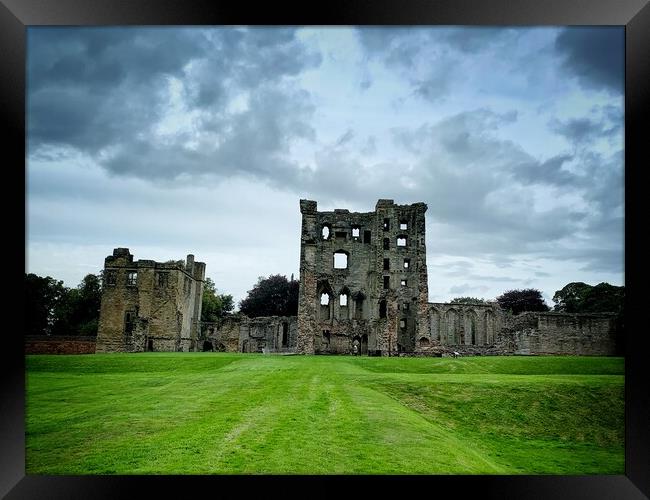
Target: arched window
x: 326, y: 232
x: 324, y: 306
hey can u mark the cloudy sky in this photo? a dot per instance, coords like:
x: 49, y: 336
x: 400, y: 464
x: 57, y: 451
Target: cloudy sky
x: 171, y: 141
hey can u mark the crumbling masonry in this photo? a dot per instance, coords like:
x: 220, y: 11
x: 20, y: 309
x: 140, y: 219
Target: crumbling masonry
x: 363, y: 279
x: 363, y: 290
x: 149, y: 306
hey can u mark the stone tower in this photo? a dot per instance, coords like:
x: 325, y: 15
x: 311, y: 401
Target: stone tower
x: 363, y: 279
x: 149, y: 306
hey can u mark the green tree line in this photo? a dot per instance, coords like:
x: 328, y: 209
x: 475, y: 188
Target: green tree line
x: 54, y: 309
x: 51, y: 308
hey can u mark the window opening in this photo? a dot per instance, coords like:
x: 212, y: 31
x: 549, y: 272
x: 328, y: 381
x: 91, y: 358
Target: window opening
x: 358, y: 311
x: 382, y: 308
x: 340, y: 260
x: 401, y: 241
x: 132, y: 278
x: 110, y: 277
x: 407, y: 263
x: 128, y: 323
x: 386, y: 282
x: 366, y: 236
x: 386, y: 264
x: 163, y: 279
x: 285, y: 334
x: 386, y: 244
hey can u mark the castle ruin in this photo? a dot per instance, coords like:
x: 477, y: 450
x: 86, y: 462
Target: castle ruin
x: 363, y: 279
x: 148, y: 305
x: 363, y: 290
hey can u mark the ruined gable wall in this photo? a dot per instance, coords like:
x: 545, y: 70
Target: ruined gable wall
x: 307, y: 301
x: 117, y: 298
x: 162, y: 310
x: 376, y: 268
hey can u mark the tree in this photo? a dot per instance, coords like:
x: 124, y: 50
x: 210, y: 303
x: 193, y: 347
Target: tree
x: 467, y: 300
x: 517, y: 301
x: 571, y: 298
x: 272, y: 296
x: 582, y: 298
x: 54, y: 309
x: 41, y: 297
x: 77, y: 313
x: 214, y: 305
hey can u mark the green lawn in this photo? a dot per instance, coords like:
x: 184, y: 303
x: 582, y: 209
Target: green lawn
x: 221, y: 413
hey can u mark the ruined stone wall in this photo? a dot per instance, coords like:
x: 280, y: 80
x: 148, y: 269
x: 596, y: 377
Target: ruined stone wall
x: 239, y: 333
x: 377, y: 301
x: 44, y: 344
x: 470, y: 327
x: 562, y: 334
x: 148, y: 305
x: 474, y: 329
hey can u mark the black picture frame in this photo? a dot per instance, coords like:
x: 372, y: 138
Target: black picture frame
x: 16, y: 15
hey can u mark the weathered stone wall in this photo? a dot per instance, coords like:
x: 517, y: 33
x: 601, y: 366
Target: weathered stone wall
x: 462, y: 325
x: 43, y: 344
x: 475, y: 329
x: 559, y: 333
x: 376, y: 302
x: 148, y: 305
x: 240, y: 333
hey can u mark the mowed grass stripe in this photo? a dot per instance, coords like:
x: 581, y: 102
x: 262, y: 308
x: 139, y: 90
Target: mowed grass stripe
x: 229, y: 413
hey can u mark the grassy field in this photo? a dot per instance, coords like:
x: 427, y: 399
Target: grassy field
x: 220, y: 413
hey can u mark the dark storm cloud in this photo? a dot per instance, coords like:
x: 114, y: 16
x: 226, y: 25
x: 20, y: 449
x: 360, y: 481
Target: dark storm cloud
x: 548, y: 172
x: 251, y: 144
x: 585, y: 131
x: 445, y: 47
x: 594, y: 55
x: 102, y: 91
x: 91, y: 87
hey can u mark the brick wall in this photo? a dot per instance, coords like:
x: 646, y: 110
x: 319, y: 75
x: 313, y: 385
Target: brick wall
x: 59, y: 345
